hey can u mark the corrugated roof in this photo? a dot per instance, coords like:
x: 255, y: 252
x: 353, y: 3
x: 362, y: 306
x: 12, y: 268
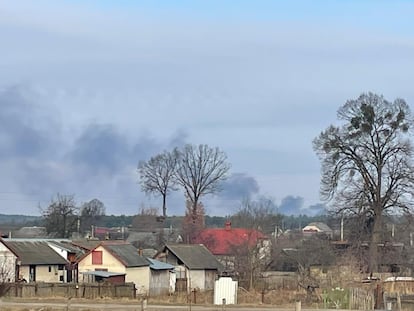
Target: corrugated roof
x: 104, y: 274
x: 195, y: 256
x: 35, y: 252
x: 159, y: 265
x: 127, y: 253
x: 66, y: 246
x: 86, y: 244
x: 224, y: 241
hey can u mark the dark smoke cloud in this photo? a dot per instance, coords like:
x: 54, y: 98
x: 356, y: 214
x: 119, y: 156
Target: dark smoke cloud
x: 100, y: 149
x: 316, y: 209
x: 239, y: 186
x: 37, y: 159
x: 291, y: 205
x: 21, y: 133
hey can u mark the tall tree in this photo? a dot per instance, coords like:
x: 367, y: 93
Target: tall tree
x: 156, y: 175
x: 260, y: 214
x: 193, y: 224
x: 367, y: 164
x: 200, y: 171
x: 90, y: 213
x: 61, y: 215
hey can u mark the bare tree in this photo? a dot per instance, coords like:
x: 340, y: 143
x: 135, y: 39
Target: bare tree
x: 193, y: 224
x: 258, y: 214
x: 90, y: 213
x: 61, y: 215
x: 253, y: 255
x: 367, y: 165
x: 7, y: 272
x: 156, y: 175
x: 200, y: 171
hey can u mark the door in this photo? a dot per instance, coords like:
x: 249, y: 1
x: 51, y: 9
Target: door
x: 32, y: 273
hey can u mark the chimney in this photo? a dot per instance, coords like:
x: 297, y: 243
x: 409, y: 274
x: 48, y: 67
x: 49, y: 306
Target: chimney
x: 140, y: 251
x: 227, y: 225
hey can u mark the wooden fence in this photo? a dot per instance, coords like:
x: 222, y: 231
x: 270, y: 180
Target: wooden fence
x: 71, y: 290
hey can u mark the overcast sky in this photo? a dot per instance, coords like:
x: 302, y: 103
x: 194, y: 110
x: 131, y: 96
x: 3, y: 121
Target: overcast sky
x: 90, y: 88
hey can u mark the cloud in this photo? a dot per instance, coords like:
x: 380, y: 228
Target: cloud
x: 23, y: 132
x: 239, y: 186
x: 291, y: 205
x: 100, y: 149
x: 316, y: 209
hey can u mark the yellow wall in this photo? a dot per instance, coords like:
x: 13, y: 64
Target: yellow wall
x: 139, y: 275
x: 108, y: 262
x: 43, y: 274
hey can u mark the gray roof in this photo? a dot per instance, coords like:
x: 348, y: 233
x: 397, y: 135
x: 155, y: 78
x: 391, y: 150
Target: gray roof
x: 35, y: 252
x: 195, y: 256
x: 322, y: 226
x: 86, y: 244
x: 127, y: 254
x: 67, y: 246
x: 159, y: 265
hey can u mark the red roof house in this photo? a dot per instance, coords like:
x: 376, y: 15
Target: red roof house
x: 233, y: 245
x: 224, y: 241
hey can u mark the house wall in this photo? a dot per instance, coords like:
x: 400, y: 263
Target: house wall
x: 210, y: 279
x: 141, y: 277
x: 196, y: 279
x: 44, y: 273
x: 7, y: 264
x: 159, y: 282
x: 60, y: 251
x: 109, y: 262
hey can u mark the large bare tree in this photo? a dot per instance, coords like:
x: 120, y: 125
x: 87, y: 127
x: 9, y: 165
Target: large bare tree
x: 61, y: 215
x: 90, y: 213
x: 367, y: 164
x: 200, y: 172
x: 156, y: 175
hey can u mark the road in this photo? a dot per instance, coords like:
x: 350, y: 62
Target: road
x: 85, y: 306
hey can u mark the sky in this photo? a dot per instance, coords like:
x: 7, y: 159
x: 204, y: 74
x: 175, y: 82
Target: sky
x: 90, y: 88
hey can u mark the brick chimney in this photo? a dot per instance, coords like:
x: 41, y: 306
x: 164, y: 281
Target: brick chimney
x: 227, y: 225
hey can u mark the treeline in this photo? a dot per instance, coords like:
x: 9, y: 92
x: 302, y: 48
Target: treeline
x: 135, y: 221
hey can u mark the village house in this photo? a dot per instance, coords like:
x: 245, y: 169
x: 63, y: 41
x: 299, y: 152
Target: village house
x: 69, y: 252
x: 116, y: 262
x: 317, y: 228
x: 195, y: 266
x: 229, y: 243
x: 37, y: 261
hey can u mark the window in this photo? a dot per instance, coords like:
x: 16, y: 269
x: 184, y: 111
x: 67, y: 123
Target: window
x: 50, y: 269
x: 61, y: 267
x: 97, y: 257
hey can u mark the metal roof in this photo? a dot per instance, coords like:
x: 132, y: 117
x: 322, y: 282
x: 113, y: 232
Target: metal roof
x: 66, y: 246
x: 195, y: 256
x: 158, y: 265
x: 127, y: 254
x: 104, y: 274
x: 35, y: 252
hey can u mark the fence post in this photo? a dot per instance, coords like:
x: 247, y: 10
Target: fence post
x: 298, y: 306
x: 144, y: 304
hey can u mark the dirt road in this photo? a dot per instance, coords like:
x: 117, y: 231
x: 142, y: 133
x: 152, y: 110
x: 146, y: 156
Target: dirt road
x: 85, y: 306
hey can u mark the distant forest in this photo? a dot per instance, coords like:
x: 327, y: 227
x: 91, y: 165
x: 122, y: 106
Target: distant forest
x: 287, y: 222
